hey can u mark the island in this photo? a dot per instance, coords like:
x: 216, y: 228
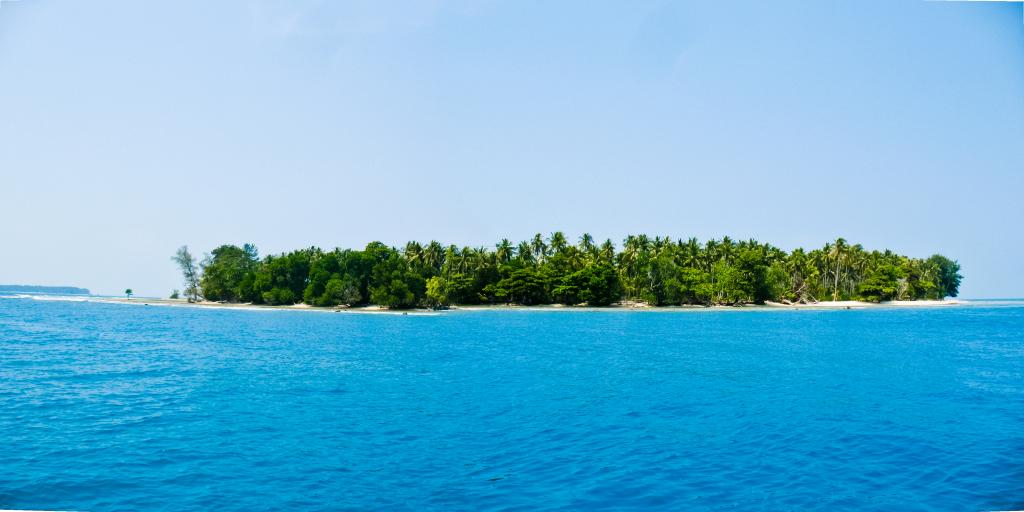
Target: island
x: 646, y: 272
x: 54, y: 290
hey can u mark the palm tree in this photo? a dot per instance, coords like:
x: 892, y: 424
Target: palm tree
x: 503, y: 251
x: 574, y: 258
x: 474, y: 259
x: 128, y: 292
x: 644, y: 243
x: 465, y: 261
x: 413, y: 254
x: 821, y: 260
x: 837, y: 253
x: 710, y: 255
x: 727, y: 249
x: 451, y: 259
x: 629, y: 260
x: 525, y: 252
x: 558, y: 243
x: 433, y: 256
x: 691, y: 253
x: 857, y: 264
x: 540, y: 249
x: 795, y: 265
x: 636, y: 253
x: 587, y: 245
x: 607, y: 251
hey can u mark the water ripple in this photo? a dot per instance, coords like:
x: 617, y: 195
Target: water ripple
x: 107, y: 407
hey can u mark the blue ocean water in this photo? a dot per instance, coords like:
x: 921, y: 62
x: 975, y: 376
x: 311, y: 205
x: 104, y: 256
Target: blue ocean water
x: 120, y: 407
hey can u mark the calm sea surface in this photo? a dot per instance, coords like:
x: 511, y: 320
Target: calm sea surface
x: 122, y: 407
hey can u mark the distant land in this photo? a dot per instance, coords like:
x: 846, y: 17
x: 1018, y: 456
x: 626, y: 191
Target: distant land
x: 24, y: 288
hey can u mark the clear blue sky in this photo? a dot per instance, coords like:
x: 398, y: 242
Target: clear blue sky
x: 130, y: 128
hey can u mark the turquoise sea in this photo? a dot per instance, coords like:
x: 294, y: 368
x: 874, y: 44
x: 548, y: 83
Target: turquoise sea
x: 127, y: 407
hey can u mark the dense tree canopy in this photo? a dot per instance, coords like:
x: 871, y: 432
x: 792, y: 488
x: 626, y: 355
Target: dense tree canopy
x: 657, y: 271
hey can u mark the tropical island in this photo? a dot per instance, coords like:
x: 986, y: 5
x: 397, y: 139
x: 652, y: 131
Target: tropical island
x: 655, y: 271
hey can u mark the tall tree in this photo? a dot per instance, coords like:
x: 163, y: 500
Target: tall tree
x: 948, y: 275
x: 540, y: 249
x: 504, y: 250
x: 224, y: 272
x: 189, y: 272
x: 837, y: 254
x: 587, y: 246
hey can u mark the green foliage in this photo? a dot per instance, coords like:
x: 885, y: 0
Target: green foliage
x: 729, y: 285
x: 437, y: 293
x: 883, y: 283
x: 277, y: 296
x: 392, y: 283
x: 335, y: 279
x: 281, y: 279
x: 519, y: 284
x: 189, y: 272
x: 689, y: 286
x: 595, y: 285
x: 545, y: 270
x: 454, y: 289
x: 224, y: 272
x: 948, y: 277
x: 339, y: 290
x: 393, y: 294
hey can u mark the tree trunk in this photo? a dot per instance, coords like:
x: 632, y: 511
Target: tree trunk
x: 835, y: 289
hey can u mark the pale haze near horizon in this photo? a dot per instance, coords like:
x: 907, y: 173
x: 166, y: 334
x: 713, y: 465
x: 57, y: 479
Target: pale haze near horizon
x: 128, y: 129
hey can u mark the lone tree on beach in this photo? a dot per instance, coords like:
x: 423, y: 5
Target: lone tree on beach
x: 128, y: 293
x: 189, y: 272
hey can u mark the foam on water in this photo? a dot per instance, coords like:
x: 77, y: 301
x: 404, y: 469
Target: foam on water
x: 47, y: 297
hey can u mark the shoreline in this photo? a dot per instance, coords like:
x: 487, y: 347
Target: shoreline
x: 767, y: 306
